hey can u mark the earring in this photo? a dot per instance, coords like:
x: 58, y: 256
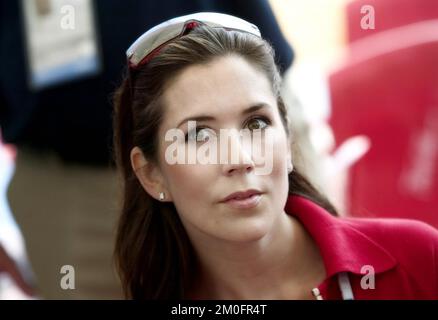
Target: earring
x: 290, y: 168
x: 161, y: 196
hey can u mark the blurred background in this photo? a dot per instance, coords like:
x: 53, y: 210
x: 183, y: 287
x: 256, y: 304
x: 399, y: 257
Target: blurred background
x: 360, y: 82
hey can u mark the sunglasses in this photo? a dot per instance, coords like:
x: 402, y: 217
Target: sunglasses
x: 151, y: 42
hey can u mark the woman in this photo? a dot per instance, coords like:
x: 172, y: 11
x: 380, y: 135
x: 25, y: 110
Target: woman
x: 225, y: 229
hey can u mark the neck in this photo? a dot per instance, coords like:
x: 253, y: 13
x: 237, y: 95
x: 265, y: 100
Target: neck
x: 273, y: 267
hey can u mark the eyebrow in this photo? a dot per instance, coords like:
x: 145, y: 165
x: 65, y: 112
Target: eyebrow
x: 251, y: 109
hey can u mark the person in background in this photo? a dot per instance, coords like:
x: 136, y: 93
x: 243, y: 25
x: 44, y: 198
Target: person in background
x: 15, y: 272
x: 9, y: 268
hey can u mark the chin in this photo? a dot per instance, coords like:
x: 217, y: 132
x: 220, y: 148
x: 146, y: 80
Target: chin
x: 249, y: 231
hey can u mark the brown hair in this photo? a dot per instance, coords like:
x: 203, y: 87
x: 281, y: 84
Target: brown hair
x: 153, y: 254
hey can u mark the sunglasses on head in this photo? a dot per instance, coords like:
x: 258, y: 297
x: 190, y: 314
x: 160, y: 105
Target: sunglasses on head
x: 152, y: 41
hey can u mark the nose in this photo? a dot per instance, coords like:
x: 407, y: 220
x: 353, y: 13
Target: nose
x: 239, y: 160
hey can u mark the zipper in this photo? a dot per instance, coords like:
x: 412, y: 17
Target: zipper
x: 344, y: 286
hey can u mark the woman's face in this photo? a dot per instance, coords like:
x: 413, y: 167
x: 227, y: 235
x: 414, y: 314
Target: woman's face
x: 219, y: 95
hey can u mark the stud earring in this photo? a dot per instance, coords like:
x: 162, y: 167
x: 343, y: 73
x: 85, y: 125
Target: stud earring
x: 161, y: 196
x: 290, y: 168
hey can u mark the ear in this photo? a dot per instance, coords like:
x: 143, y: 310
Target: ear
x: 149, y: 175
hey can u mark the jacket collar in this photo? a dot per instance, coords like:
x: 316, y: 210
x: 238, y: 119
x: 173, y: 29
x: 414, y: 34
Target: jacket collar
x: 342, y: 246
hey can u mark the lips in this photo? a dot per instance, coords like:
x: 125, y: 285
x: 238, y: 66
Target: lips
x: 243, y: 200
x: 241, y: 195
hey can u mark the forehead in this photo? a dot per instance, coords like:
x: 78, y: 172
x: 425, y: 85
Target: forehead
x: 220, y: 88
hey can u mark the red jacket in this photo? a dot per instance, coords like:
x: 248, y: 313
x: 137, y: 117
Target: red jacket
x: 402, y: 253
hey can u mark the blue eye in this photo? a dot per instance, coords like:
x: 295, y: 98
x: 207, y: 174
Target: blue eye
x: 257, y: 123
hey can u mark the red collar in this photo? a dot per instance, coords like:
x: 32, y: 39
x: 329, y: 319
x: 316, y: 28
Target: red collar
x: 342, y: 246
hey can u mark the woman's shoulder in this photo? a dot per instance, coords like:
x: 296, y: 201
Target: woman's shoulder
x: 406, y: 239
x: 395, y: 229
x: 412, y: 244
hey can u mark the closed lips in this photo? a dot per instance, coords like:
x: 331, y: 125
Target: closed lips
x: 241, y: 195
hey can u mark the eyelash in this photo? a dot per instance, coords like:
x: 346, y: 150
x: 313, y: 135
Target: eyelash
x: 263, y: 118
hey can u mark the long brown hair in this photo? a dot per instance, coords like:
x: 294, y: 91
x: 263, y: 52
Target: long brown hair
x: 153, y: 254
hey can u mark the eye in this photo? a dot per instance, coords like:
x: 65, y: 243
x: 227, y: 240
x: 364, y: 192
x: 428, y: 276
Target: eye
x: 200, y: 134
x: 257, y: 123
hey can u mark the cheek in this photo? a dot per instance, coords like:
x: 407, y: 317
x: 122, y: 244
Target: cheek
x: 276, y: 149
x: 189, y: 181
x: 281, y: 149
x: 278, y: 179
x: 190, y: 187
